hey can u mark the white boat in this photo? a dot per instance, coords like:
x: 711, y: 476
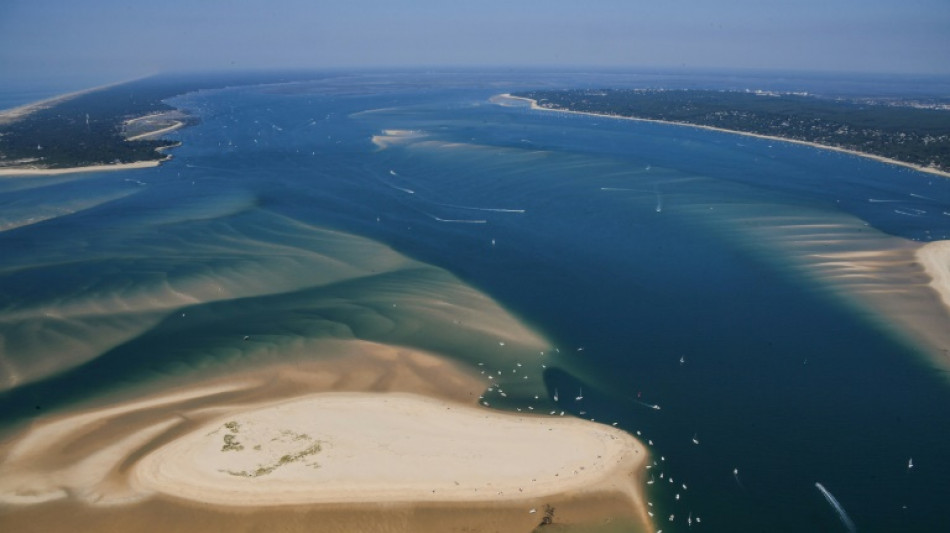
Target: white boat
x: 555, y: 395
x: 580, y: 395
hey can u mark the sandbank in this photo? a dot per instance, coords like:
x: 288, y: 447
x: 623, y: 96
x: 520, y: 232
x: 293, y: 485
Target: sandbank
x: 359, y: 447
x: 502, y: 98
x: 161, y: 131
x: 154, y: 124
x: 935, y: 258
x: 389, y: 138
x: 888, y: 280
x: 354, y: 441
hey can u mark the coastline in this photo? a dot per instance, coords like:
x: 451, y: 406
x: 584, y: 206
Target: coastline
x: 14, y: 114
x: 500, y: 98
x: 36, y: 171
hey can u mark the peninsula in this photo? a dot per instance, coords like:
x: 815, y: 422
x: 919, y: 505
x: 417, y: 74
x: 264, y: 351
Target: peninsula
x: 112, y: 127
x: 908, y: 133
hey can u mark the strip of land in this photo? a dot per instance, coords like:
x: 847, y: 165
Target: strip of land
x: 501, y: 99
x: 13, y: 114
x: 38, y: 171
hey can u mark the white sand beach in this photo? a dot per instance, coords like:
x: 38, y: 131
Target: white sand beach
x: 14, y: 114
x: 359, y: 447
x: 39, y: 171
x: 935, y: 258
x: 161, y: 131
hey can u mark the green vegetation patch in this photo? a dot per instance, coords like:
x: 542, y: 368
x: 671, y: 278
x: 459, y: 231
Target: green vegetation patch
x: 294, y: 447
x: 263, y: 470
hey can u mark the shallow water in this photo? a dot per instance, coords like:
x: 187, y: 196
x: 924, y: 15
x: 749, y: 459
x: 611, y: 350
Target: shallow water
x: 663, y: 265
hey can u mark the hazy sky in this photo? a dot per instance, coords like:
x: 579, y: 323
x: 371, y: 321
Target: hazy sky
x: 109, y: 40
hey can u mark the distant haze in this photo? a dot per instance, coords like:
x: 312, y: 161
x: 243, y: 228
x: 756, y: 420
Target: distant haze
x: 110, y: 40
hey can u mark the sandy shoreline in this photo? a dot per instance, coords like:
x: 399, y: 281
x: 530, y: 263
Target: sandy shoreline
x: 499, y: 99
x: 404, y: 448
x: 71, y: 170
x: 13, y: 114
x: 935, y: 258
x: 167, y: 129
x: 16, y: 113
x: 360, y: 439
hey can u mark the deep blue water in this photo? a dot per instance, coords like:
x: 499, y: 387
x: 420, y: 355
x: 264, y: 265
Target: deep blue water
x: 621, y: 242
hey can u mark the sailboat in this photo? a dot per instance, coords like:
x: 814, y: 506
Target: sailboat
x: 910, y: 463
x: 580, y: 395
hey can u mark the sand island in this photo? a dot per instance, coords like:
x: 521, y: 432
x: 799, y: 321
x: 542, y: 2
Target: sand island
x: 376, y: 438
x: 362, y: 447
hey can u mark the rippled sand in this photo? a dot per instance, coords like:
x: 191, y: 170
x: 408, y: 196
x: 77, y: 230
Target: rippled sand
x: 132, y: 454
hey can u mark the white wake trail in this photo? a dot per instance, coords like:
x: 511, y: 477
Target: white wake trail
x: 845, y: 519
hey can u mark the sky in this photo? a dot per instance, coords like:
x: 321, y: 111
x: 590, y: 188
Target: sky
x: 102, y: 41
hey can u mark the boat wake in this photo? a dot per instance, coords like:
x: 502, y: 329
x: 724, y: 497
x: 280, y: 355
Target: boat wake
x: 458, y: 221
x: 488, y: 209
x: 845, y: 519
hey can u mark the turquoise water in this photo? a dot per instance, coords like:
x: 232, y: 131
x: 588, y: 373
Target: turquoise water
x: 630, y: 246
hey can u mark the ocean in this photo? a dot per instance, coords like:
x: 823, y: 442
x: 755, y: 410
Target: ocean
x: 666, y: 267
